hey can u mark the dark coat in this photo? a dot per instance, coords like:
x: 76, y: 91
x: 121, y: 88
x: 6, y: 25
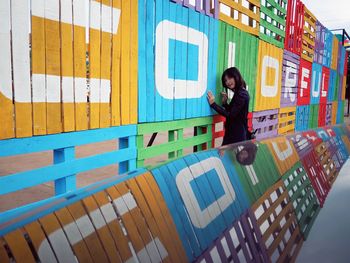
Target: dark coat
x: 236, y: 114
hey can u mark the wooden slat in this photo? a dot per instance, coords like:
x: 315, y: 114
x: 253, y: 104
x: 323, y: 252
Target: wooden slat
x: 79, y: 58
x: 73, y: 235
x: 3, y: 253
x: 95, y: 63
x: 40, y: 243
x: 125, y: 63
x: 134, y: 61
x: 88, y: 232
x: 67, y: 66
x: 53, y: 67
x: 20, y: 17
x: 38, y: 69
x: 6, y: 110
x: 102, y: 230
x: 19, y: 247
x: 112, y: 219
x: 57, y: 238
x: 106, y: 49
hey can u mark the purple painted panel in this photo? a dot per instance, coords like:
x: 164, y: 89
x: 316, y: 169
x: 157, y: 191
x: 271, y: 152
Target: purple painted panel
x: 266, y: 123
x: 301, y: 144
x: 319, y: 43
x: 207, y: 7
x: 246, y: 241
x: 290, y: 74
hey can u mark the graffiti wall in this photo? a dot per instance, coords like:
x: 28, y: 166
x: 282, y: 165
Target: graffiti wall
x: 71, y: 65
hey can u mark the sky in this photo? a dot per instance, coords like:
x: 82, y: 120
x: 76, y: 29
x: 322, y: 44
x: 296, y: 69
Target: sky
x: 333, y: 14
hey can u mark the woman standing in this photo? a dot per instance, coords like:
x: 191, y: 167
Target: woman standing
x: 236, y: 113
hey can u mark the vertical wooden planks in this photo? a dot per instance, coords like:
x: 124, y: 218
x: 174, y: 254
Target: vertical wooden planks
x: 304, y: 83
x: 290, y: 74
x: 309, y: 35
x: 316, y: 84
x: 79, y: 58
x: 67, y: 66
x: 7, y: 129
x: 53, y: 67
x: 20, y: 16
x: 134, y: 61
x: 335, y: 47
x: 269, y: 77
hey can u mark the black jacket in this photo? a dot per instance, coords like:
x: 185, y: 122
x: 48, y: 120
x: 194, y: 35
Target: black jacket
x: 236, y: 114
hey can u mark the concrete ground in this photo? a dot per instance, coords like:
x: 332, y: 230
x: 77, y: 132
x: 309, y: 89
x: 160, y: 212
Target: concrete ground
x: 329, y: 238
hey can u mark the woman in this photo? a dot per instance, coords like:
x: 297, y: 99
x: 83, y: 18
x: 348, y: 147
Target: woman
x: 236, y: 113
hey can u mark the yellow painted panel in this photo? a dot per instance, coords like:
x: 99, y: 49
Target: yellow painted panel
x: 334, y: 112
x: 283, y: 153
x: 67, y: 71
x: 133, y: 62
x: 53, y: 67
x: 38, y: 67
x: 125, y: 63
x: 115, y: 81
x: 335, y: 47
x: 269, y: 77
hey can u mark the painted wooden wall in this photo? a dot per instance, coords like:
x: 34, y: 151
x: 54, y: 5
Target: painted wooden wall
x: 71, y: 65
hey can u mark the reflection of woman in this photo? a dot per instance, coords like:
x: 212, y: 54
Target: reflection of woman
x: 246, y: 153
x: 236, y: 113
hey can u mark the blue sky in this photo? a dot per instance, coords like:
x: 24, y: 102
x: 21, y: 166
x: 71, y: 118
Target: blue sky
x: 333, y: 14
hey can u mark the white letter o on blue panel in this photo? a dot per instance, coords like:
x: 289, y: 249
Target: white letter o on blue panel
x: 178, y: 88
x: 200, y: 218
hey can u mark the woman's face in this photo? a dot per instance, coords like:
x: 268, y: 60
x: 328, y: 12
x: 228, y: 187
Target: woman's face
x: 230, y: 83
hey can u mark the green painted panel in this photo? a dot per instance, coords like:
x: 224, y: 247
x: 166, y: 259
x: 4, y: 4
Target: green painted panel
x: 313, y: 120
x: 260, y: 175
x: 302, y: 196
x: 242, y: 48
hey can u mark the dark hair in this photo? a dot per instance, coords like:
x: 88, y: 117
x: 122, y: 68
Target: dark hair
x: 233, y: 73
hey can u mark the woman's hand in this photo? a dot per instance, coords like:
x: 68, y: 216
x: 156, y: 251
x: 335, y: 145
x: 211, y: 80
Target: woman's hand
x: 210, y: 97
x: 224, y: 97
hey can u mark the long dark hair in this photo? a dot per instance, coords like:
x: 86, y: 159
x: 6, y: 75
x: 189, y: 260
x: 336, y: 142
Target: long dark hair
x: 233, y: 73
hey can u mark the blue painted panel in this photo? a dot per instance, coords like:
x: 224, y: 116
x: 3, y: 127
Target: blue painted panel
x: 163, y: 43
x: 316, y: 83
x: 207, y: 213
x: 332, y: 84
x: 302, y: 118
x: 327, y: 58
x: 57, y: 141
x: 21, y: 180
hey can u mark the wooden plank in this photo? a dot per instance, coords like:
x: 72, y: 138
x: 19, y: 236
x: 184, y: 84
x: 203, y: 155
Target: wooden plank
x: 38, y: 68
x: 88, y: 232
x: 20, y: 17
x: 114, y: 226
x: 129, y: 224
x: 57, y: 238
x: 3, y: 253
x: 116, y: 69
x: 53, y: 67
x: 19, y: 247
x: 125, y: 62
x: 134, y: 61
x: 73, y: 234
x: 153, y: 195
x: 95, y: 63
x: 7, y: 129
x: 153, y: 218
x: 101, y: 229
x: 67, y: 66
x: 40, y: 242
x: 107, y: 20
x: 79, y: 58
